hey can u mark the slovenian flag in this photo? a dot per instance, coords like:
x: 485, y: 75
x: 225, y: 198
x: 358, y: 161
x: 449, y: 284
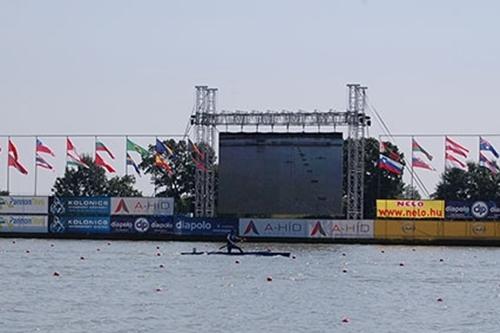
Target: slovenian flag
x: 390, y: 165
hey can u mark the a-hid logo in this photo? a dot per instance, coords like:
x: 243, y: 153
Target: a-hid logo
x: 251, y: 228
x: 318, y: 229
x: 121, y: 207
x: 141, y: 225
x: 192, y: 226
x: 479, y: 209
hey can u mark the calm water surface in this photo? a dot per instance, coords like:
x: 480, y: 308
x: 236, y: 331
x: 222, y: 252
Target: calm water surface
x: 120, y: 287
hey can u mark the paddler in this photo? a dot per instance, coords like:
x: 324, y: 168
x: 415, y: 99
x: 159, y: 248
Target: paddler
x: 232, y: 239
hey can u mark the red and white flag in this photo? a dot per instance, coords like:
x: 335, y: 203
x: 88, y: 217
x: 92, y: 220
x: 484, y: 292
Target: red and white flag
x: 13, y: 159
x: 102, y: 163
x: 454, y: 153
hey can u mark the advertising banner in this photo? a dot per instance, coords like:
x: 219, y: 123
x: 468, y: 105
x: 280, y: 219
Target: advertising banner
x: 205, y: 226
x: 24, y: 223
x: 341, y: 229
x: 290, y: 228
x: 79, y: 224
x: 472, y: 210
x: 24, y: 205
x: 142, y: 206
x: 410, y: 209
x: 79, y: 206
x: 142, y: 225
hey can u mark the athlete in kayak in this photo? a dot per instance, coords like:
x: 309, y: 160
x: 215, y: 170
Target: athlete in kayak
x: 232, y: 239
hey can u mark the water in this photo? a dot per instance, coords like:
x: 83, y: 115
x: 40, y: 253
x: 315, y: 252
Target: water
x: 122, y: 288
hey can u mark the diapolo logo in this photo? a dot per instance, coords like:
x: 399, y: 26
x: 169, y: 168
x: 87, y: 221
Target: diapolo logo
x: 141, y: 225
x: 192, y: 226
x: 479, y: 209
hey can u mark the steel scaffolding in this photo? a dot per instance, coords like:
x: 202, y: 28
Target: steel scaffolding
x: 206, y: 119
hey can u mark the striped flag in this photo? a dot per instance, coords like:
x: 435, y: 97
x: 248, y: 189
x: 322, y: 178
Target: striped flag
x: 487, y: 163
x: 417, y: 162
x: 454, y: 150
x: 416, y: 148
x: 131, y: 162
x: 13, y: 159
x: 102, y: 163
x: 452, y: 161
x: 161, y: 163
x: 41, y: 162
x: 73, y: 158
x: 41, y: 148
x: 486, y: 146
x: 100, y: 146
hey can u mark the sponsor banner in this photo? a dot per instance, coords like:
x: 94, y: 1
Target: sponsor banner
x: 24, y: 205
x: 472, y: 210
x: 79, y: 224
x: 290, y: 228
x: 410, y: 209
x: 79, y: 206
x: 142, y: 225
x: 23, y: 223
x: 205, y: 226
x: 341, y: 229
x: 142, y: 206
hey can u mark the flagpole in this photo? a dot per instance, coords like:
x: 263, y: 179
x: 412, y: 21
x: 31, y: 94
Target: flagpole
x: 412, y: 169
x: 126, y: 152
x: 66, y: 166
x: 36, y: 168
x: 8, y: 166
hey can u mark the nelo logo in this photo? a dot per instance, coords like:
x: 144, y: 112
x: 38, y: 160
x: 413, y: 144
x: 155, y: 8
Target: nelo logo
x: 141, y: 225
x: 409, y: 203
x: 479, y: 209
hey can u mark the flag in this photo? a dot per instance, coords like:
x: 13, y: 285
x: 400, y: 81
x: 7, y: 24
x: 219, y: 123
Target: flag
x: 456, y: 148
x: 416, y: 148
x: 131, y: 162
x: 162, y: 148
x: 390, y: 165
x: 13, y: 150
x: 489, y: 164
x: 99, y: 146
x: 131, y: 146
x: 194, y: 148
x: 486, y: 146
x: 102, y: 163
x: 41, y: 148
x: 388, y: 151
x: 161, y: 163
x: 13, y: 159
x: 417, y: 162
x: 16, y: 164
x: 454, y: 162
x: 41, y: 162
x: 73, y: 158
x: 199, y: 165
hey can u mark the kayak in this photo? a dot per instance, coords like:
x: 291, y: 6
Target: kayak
x: 254, y: 253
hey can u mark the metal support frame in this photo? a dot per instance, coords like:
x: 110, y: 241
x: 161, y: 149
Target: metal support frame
x: 206, y: 119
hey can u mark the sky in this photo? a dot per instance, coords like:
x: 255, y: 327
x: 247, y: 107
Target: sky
x: 130, y: 67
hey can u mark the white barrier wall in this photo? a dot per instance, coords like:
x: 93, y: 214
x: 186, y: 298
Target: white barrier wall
x: 24, y: 205
x: 24, y: 223
x: 295, y: 228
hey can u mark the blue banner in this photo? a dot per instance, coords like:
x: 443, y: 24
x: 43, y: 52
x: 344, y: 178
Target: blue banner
x: 472, y: 210
x: 80, y: 206
x: 205, y: 226
x: 142, y: 225
x: 79, y: 224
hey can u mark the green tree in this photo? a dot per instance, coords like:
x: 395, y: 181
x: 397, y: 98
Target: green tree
x: 378, y: 183
x: 92, y: 181
x: 478, y: 183
x: 179, y: 183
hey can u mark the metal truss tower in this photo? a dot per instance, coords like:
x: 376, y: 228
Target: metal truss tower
x: 206, y: 119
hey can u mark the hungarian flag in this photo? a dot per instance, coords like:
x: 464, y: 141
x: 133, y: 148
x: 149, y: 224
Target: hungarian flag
x: 417, y: 162
x: 131, y: 162
x: 132, y: 146
x: 41, y: 148
x: 416, y: 148
x: 161, y: 163
x: 41, y: 162
x: 102, y: 163
x: 73, y: 158
x: 13, y: 159
x: 388, y: 151
x: 99, y: 146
